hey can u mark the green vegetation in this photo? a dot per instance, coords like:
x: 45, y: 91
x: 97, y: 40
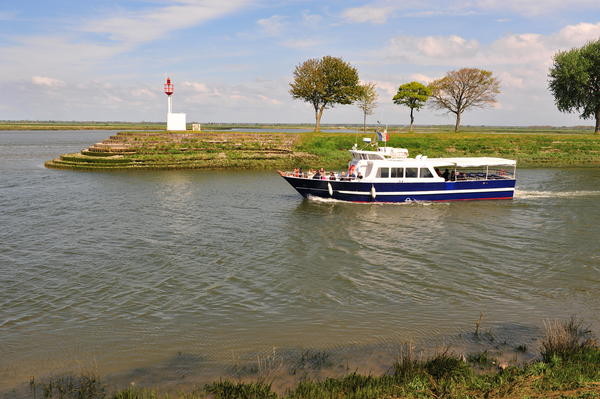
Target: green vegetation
x: 541, y: 147
x: 569, y: 368
x: 575, y: 81
x: 464, y: 89
x: 367, y: 101
x: 324, y: 83
x: 414, y: 95
x: 530, y: 150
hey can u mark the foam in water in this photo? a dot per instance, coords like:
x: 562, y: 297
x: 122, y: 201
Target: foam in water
x: 408, y: 202
x: 526, y: 194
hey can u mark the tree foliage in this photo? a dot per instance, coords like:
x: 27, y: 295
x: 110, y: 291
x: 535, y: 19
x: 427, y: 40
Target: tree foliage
x: 575, y: 81
x: 464, y: 89
x: 325, y: 82
x: 367, y: 101
x: 414, y: 95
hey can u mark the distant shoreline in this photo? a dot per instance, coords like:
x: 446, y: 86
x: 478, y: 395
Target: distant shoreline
x: 117, y: 125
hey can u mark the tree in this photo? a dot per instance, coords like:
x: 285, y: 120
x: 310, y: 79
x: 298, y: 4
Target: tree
x: 367, y: 101
x: 414, y: 95
x: 464, y: 89
x: 575, y: 81
x: 325, y: 82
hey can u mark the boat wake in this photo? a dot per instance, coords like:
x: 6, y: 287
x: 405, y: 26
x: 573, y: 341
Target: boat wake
x: 526, y: 194
x: 406, y: 203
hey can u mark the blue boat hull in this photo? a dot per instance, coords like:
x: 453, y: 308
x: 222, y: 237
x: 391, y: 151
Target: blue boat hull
x: 358, y: 191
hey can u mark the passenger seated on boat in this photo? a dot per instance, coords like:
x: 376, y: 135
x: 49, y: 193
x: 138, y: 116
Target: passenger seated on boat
x: 437, y: 172
x: 446, y: 174
x: 317, y: 175
x: 352, y: 175
x: 332, y: 176
x: 343, y: 176
x: 323, y: 174
x: 359, y: 175
x: 452, y: 176
x: 300, y: 173
x: 295, y: 173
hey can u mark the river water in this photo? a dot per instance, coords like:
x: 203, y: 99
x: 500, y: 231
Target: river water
x: 126, y: 270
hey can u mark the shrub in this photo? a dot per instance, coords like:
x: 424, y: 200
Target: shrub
x: 228, y: 390
x: 447, y: 365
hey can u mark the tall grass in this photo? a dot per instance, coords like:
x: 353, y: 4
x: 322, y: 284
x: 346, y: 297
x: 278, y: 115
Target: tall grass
x: 566, y: 339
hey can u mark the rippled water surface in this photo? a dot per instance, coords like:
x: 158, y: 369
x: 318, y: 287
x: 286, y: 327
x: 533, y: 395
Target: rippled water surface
x: 130, y: 268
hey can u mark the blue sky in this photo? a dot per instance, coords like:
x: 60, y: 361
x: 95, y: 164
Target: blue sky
x: 232, y: 60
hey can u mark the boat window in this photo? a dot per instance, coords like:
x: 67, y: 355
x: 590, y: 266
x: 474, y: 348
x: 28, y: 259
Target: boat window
x: 374, y: 157
x: 397, y: 172
x: 425, y: 172
x: 383, y: 172
x: 412, y: 172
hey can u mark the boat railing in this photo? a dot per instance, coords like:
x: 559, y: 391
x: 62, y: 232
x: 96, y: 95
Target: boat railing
x: 326, y: 175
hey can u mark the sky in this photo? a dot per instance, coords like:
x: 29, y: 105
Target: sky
x: 233, y: 60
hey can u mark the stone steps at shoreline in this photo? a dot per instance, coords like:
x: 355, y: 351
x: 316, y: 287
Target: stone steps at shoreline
x: 164, y: 150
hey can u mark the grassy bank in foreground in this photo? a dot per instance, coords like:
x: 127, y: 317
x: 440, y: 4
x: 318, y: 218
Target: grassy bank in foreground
x: 568, y: 367
x: 239, y: 150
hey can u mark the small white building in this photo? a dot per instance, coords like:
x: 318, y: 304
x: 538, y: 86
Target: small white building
x: 175, y: 121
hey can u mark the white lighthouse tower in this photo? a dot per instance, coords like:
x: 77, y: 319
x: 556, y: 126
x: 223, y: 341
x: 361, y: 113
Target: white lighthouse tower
x: 174, y: 121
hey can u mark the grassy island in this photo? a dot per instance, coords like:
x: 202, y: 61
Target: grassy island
x: 241, y: 150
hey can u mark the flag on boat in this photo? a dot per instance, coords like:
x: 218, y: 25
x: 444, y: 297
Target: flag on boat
x: 382, y: 136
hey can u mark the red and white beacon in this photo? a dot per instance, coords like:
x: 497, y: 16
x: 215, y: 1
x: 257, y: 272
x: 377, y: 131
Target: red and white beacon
x: 174, y: 121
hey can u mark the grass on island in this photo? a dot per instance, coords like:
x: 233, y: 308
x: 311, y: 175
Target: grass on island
x: 270, y: 151
x: 568, y: 368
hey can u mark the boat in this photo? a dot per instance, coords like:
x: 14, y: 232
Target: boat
x: 387, y: 174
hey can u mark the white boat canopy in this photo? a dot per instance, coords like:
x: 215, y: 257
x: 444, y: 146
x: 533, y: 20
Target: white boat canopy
x: 471, y: 162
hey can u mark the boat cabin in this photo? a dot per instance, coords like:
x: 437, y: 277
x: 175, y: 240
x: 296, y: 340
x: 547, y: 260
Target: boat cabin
x: 389, y: 164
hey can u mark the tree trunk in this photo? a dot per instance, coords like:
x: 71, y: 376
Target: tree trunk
x: 457, y: 125
x: 412, y: 120
x: 364, y: 123
x: 318, y: 115
x: 597, y: 130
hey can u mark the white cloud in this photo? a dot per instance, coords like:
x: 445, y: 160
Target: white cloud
x: 368, y: 13
x: 301, y: 43
x: 516, y: 49
x: 143, y: 93
x: 132, y: 28
x: 419, y: 77
x: 68, y: 54
x: 269, y: 100
x: 380, y: 11
x: 46, y: 81
x: 272, y: 26
x: 533, y: 7
x: 311, y: 20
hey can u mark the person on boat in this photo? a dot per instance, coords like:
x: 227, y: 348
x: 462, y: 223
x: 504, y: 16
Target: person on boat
x: 317, y: 175
x: 331, y: 176
x: 300, y: 173
x: 359, y: 175
x: 446, y: 174
x: 343, y: 176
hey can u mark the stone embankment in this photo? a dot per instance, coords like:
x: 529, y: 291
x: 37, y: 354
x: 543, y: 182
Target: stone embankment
x: 185, y: 150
